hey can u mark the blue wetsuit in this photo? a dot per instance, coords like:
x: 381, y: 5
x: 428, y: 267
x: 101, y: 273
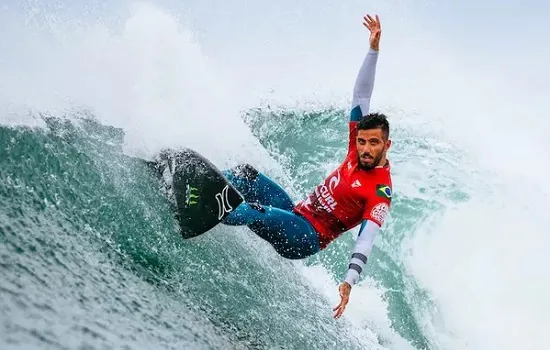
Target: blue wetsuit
x: 268, y: 212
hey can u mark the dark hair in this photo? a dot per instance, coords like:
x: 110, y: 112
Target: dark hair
x: 375, y: 121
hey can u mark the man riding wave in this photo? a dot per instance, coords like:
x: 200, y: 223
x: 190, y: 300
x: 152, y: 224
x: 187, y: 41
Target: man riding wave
x: 357, y: 192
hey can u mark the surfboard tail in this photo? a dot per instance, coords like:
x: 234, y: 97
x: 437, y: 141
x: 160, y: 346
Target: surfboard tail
x: 203, y: 196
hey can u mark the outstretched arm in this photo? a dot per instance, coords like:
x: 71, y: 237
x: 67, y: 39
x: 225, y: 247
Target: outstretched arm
x: 375, y: 211
x: 363, y: 247
x: 364, y: 83
x: 362, y: 250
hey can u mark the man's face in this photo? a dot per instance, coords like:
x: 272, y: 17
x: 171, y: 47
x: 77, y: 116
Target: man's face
x: 371, y: 148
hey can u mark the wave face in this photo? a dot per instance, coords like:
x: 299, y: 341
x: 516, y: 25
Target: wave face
x: 91, y: 251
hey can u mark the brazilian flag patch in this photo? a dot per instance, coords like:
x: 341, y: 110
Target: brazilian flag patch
x: 383, y: 191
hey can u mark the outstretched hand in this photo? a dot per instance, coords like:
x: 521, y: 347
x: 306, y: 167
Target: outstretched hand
x: 373, y: 25
x: 345, y: 289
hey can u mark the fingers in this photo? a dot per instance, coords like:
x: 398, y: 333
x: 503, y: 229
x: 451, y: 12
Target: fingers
x: 367, y: 21
x: 339, y: 313
x: 370, y: 22
x: 340, y: 308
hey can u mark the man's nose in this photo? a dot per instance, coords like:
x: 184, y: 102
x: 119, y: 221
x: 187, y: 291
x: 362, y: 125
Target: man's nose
x: 365, y: 149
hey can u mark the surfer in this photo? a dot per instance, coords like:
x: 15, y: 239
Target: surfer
x: 358, y: 192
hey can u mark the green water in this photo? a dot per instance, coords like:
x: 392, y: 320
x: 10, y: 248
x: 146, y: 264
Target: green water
x: 92, y: 258
x: 306, y: 141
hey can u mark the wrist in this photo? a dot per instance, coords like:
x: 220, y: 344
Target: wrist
x: 351, y: 277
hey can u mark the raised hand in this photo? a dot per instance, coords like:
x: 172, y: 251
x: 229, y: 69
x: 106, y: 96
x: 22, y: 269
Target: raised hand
x: 373, y: 25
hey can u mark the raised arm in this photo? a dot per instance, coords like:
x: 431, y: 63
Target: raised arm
x: 364, y: 83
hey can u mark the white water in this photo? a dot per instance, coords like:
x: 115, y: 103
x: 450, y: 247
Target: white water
x: 483, y: 263
x: 146, y: 74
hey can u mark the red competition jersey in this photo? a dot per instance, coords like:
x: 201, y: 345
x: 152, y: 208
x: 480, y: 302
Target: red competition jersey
x: 347, y: 196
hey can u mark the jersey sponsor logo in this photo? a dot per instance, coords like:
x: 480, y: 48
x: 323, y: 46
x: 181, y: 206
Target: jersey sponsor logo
x: 334, y: 181
x: 383, y: 191
x: 379, y: 211
x: 223, y: 202
x: 325, y: 193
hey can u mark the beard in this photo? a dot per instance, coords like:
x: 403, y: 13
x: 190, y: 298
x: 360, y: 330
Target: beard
x: 376, y: 161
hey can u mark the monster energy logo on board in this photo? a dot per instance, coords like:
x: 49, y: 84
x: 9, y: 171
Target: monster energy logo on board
x: 190, y: 196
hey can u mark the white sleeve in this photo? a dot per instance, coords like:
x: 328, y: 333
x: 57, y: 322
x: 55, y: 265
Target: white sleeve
x: 363, y: 248
x: 364, y: 83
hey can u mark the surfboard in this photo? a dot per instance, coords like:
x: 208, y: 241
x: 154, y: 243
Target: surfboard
x: 201, y: 196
